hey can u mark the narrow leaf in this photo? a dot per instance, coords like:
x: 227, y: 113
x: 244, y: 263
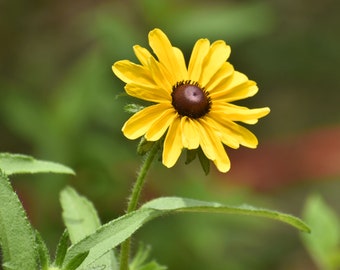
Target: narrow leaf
x: 19, y: 164
x: 81, y: 220
x: 189, y: 205
x: 17, y: 238
x: 76, y: 261
x: 61, y: 249
x: 113, y: 233
x: 44, y: 255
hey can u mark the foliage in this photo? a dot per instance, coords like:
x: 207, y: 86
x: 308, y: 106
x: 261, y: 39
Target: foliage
x: 57, y: 101
x: 19, y: 242
x: 91, y: 242
x: 323, y: 243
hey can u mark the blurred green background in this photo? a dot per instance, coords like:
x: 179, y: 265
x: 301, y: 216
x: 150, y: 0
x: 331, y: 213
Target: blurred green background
x: 58, y: 102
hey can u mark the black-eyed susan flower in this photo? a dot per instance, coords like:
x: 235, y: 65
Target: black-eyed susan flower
x: 192, y: 104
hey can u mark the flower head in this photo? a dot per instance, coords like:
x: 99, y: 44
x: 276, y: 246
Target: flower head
x: 192, y: 104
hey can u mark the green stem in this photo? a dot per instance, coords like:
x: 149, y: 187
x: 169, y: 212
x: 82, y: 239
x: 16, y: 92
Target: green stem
x: 133, y: 202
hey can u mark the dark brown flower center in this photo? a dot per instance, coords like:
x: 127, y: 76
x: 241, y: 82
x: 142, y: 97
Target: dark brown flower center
x: 189, y: 99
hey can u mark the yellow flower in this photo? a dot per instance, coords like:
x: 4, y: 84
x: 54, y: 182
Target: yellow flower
x: 192, y: 104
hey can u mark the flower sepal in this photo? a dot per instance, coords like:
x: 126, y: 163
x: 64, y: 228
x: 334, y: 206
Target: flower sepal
x: 144, y: 146
x: 204, y: 161
x: 133, y: 108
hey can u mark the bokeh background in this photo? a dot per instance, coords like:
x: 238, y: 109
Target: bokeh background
x: 60, y: 101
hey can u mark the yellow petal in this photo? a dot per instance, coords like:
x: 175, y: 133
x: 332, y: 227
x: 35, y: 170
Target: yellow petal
x: 160, y: 75
x: 222, y: 163
x: 224, y: 134
x: 241, y: 91
x: 142, y: 54
x: 205, y: 142
x: 190, y: 136
x: 131, y: 73
x: 217, y: 56
x: 159, y: 127
x: 239, y: 113
x: 181, y: 66
x: 172, y: 144
x: 250, y: 121
x: 149, y: 93
x: 139, y: 123
x: 162, y: 47
x: 230, y: 129
x: 237, y: 78
x: 211, y: 143
x: 198, y: 54
x: 245, y: 137
x: 221, y: 76
x: 236, y: 87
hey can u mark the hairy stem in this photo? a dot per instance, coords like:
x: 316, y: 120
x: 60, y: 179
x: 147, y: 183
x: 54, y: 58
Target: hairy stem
x: 134, y: 200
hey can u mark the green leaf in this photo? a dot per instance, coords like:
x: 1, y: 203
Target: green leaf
x: 19, y: 164
x: 61, y: 249
x: 81, y: 220
x: 79, y: 215
x: 17, y: 238
x: 116, y: 231
x: 177, y: 204
x: 111, y: 234
x: 44, y: 255
x: 106, y: 261
x: 76, y: 261
x: 324, y: 242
